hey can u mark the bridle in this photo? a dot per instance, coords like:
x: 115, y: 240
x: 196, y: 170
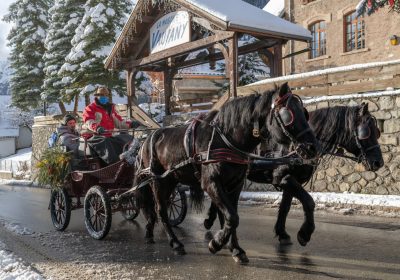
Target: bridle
x: 361, y: 132
x: 285, y: 118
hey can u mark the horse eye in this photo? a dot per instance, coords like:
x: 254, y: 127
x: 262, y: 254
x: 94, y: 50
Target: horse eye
x: 363, y: 132
x: 286, y: 116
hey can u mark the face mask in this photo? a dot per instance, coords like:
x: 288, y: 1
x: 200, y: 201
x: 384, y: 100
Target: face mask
x: 103, y: 100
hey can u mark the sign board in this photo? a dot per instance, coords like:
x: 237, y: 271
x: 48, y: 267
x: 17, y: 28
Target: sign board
x: 171, y: 30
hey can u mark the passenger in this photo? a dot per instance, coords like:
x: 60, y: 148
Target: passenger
x: 100, y: 118
x: 68, y: 135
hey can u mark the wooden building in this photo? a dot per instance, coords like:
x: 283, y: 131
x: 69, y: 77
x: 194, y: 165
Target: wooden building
x: 160, y: 35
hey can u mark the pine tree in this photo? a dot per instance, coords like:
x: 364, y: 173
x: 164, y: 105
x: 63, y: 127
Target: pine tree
x: 93, y: 40
x: 26, y: 40
x: 65, y: 16
x: 371, y: 6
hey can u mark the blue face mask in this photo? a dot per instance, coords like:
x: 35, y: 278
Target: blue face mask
x: 103, y: 99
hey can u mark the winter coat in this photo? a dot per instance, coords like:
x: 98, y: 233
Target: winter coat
x: 68, y: 138
x: 106, y: 116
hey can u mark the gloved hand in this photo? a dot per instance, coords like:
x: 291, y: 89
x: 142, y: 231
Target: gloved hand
x: 100, y: 130
x: 134, y: 124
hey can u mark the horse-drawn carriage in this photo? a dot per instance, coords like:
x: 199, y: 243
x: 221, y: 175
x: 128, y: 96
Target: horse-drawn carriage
x: 104, y: 190
x: 217, y: 161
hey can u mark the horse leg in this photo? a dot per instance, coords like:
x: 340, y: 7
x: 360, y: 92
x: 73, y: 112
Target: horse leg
x: 162, y: 192
x: 238, y: 254
x: 284, y: 208
x: 211, y: 216
x: 308, y: 226
x: 228, y: 207
x: 148, y: 209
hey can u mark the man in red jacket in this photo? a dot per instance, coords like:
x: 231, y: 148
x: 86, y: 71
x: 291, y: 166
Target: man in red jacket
x: 101, y: 118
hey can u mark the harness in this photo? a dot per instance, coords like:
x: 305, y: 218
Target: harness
x: 230, y: 154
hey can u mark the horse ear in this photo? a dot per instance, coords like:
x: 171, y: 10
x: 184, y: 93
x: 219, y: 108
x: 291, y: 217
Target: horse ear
x: 364, y: 109
x: 284, y: 89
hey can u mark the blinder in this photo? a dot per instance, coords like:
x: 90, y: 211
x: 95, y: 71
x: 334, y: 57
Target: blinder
x: 364, y: 131
x: 286, y: 116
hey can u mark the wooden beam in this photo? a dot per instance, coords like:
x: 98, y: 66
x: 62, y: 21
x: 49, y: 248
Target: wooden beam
x: 232, y: 65
x: 224, y: 54
x: 148, y: 19
x: 178, y: 50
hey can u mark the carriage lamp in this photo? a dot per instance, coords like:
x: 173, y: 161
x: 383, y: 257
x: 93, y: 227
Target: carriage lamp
x: 394, y: 40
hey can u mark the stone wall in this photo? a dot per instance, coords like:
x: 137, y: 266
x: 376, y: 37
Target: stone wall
x: 340, y: 175
x: 41, y: 130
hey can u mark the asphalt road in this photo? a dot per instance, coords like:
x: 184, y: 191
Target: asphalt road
x: 344, y: 247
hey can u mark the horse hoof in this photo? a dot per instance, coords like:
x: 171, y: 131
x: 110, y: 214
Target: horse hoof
x: 285, y: 241
x: 208, y: 236
x: 241, y: 258
x: 149, y: 240
x: 180, y: 251
x: 213, y: 247
x: 302, y: 241
x: 207, y: 224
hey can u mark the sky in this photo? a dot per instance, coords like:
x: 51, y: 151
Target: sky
x: 4, y: 28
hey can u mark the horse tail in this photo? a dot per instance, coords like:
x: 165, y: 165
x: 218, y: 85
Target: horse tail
x: 197, y: 198
x: 144, y: 194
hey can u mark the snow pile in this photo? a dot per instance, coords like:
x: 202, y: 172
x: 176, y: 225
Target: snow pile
x: 18, y: 229
x: 12, y: 267
x: 330, y: 198
x: 19, y: 164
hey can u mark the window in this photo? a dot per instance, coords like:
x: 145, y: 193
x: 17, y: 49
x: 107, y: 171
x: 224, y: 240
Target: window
x: 318, y: 43
x: 354, y: 32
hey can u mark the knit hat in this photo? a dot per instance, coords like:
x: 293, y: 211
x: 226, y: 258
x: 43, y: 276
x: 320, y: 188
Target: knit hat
x: 67, y: 118
x: 102, y: 91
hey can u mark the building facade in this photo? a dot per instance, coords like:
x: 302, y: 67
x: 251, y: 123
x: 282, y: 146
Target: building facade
x: 340, y: 37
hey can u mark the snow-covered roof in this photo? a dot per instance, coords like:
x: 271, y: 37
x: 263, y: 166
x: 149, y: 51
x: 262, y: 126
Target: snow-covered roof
x: 243, y: 16
x: 232, y: 15
x: 275, y: 7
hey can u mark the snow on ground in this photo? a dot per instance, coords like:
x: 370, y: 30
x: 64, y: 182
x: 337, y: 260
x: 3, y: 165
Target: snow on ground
x: 18, y: 162
x: 16, y: 228
x: 330, y: 198
x: 13, y: 268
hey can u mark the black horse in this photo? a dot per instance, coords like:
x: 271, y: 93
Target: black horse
x: 216, y: 160
x: 351, y: 128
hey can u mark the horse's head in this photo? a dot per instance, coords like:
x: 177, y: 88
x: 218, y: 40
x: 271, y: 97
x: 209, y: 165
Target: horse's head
x: 364, y: 143
x: 288, y: 123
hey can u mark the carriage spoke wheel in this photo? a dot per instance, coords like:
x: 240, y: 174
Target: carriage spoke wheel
x: 97, y: 210
x: 130, y: 210
x: 177, y: 207
x: 60, y: 208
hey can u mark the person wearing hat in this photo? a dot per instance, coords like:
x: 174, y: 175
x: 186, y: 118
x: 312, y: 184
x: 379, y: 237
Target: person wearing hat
x: 69, y: 136
x: 100, y: 118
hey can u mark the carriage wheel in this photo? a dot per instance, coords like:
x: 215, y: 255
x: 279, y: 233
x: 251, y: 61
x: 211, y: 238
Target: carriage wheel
x: 177, y: 207
x: 97, y: 211
x: 131, y: 213
x: 60, y: 208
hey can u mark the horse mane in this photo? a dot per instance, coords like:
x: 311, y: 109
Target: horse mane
x: 334, y: 125
x: 243, y: 111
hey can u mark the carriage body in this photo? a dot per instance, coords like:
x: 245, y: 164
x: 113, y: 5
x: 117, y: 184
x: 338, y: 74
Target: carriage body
x: 102, y: 191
